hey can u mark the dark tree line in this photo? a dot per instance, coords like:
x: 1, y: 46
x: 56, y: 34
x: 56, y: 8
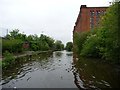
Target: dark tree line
x: 14, y: 41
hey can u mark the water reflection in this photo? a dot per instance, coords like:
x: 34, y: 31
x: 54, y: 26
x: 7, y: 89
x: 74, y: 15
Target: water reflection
x: 69, y: 54
x: 58, y: 53
x: 26, y: 65
x: 41, y: 71
x: 60, y: 69
x: 91, y: 74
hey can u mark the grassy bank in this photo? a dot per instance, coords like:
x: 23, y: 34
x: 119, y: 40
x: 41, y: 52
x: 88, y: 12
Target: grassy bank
x: 10, y: 59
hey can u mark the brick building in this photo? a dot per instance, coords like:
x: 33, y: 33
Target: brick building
x: 88, y: 18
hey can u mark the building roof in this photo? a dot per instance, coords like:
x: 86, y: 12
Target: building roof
x: 85, y: 6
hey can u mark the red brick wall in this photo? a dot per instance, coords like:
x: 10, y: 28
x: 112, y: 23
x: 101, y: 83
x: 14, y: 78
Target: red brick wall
x: 83, y: 20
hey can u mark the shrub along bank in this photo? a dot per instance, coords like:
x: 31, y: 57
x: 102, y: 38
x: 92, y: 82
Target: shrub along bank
x: 16, y: 42
x: 103, y: 41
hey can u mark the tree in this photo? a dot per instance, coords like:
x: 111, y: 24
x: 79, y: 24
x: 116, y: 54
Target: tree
x: 59, y: 45
x: 14, y: 33
x: 104, y: 41
x: 69, y: 46
x: 109, y: 33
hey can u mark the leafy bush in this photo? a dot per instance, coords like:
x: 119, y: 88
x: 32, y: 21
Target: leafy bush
x: 8, y: 59
x: 78, y: 40
x: 69, y: 46
x: 91, y: 46
x: 13, y: 45
x: 104, y: 40
x: 13, y: 42
x: 109, y: 34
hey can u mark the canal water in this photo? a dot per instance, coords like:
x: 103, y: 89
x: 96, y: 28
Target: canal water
x: 59, y: 70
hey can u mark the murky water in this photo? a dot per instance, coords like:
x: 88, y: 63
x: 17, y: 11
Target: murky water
x: 59, y: 70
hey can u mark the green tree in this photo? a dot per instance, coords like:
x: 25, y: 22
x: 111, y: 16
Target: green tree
x: 14, y: 33
x: 104, y: 40
x: 78, y: 40
x: 13, y: 45
x: 109, y: 33
x: 58, y: 45
x: 69, y: 46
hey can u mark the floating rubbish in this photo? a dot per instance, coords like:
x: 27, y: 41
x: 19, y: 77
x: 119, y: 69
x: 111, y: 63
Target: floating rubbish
x: 15, y: 87
x: 93, y: 76
x: 76, y: 58
x: 28, y: 78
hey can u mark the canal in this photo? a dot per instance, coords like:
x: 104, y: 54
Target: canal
x: 60, y: 70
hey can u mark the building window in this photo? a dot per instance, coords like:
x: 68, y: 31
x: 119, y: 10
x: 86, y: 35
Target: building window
x: 97, y: 20
x: 92, y: 13
x: 98, y: 13
x: 91, y: 20
x: 102, y: 13
x: 91, y: 25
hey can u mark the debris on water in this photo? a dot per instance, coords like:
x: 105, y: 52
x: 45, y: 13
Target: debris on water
x: 93, y: 76
x: 15, y: 87
x: 59, y: 60
x: 76, y: 58
x: 28, y: 78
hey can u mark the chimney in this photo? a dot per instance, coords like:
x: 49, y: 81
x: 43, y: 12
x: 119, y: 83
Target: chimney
x: 83, y: 6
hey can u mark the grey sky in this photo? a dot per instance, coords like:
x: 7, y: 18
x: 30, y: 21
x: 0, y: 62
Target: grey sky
x: 55, y: 18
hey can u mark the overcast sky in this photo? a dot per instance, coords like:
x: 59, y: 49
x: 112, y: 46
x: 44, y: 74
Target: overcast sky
x: 55, y: 18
